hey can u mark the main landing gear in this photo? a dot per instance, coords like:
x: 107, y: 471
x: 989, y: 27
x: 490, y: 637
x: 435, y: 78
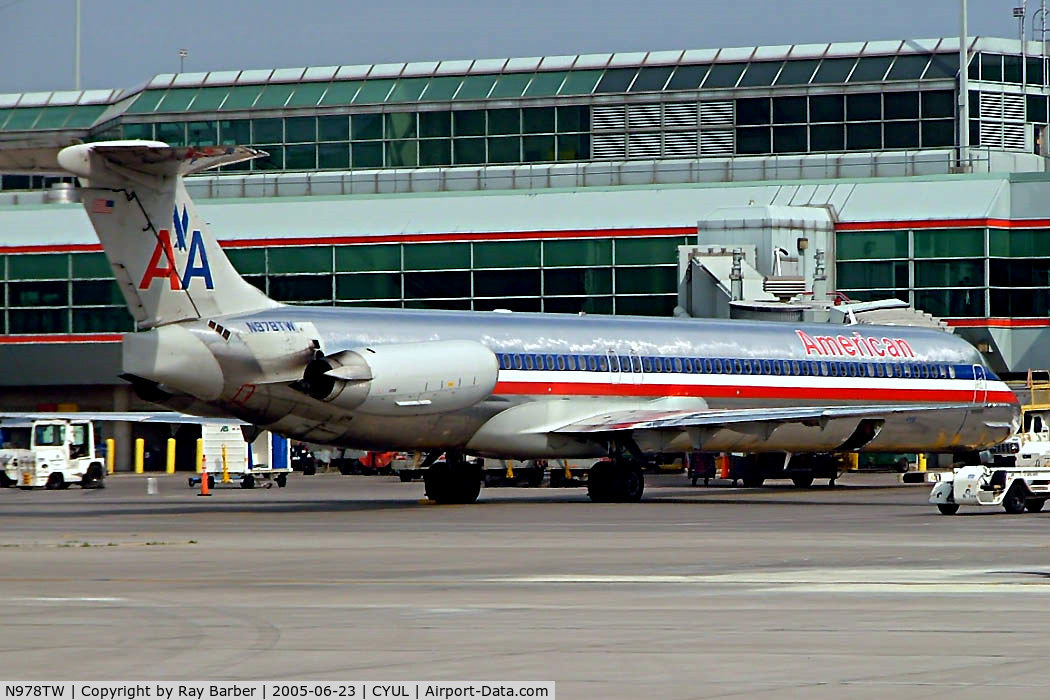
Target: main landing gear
x: 453, y: 481
x: 619, y: 480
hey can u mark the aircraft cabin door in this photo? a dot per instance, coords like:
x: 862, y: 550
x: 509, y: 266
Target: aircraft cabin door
x: 615, y: 377
x: 636, y: 367
x: 980, y: 385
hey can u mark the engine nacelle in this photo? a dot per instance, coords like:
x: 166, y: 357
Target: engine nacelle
x: 408, y: 379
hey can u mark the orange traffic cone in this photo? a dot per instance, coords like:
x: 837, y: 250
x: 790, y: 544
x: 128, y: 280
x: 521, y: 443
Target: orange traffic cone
x: 205, y: 491
x: 723, y: 463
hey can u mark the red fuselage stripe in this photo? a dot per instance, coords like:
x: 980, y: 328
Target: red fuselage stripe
x: 748, y: 392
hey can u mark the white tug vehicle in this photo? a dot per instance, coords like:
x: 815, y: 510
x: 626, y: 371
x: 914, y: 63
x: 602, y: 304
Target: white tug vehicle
x: 53, y: 453
x: 1019, y: 476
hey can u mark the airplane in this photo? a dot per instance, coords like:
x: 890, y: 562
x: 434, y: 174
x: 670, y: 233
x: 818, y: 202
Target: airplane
x: 500, y: 385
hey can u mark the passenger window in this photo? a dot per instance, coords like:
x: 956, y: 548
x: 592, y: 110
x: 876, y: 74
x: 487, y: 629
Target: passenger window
x: 528, y: 362
x: 678, y: 364
x: 603, y: 363
x: 689, y: 365
x: 951, y: 371
x: 636, y: 363
x: 560, y: 360
x: 795, y: 367
x: 717, y: 365
x: 625, y: 363
x: 852, y: 369
x: 570, y: 362
x: 767, y: 367
x: 548, y: 362
x: 777, y: 368
x: 737, y: 369
x: 824, y: 372
x: 614, y: 363
x: 647, y: 364
x: 517, y: 362
x: 592, y: 363
x: 708, y: 367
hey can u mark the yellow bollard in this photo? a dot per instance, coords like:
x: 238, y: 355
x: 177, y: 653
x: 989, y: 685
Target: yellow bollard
x: 510, y: 468
x: 922, y: 462
x: 169, y: 467
x: 200, y: 455
x: 140, y: 455
x: 568, y: 471
x: 853, y: 461
x: 111, y: 455
x: 225, y: 467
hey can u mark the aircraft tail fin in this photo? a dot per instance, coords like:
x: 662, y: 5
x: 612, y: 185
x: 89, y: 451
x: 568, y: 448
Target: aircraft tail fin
x: 166, y: 261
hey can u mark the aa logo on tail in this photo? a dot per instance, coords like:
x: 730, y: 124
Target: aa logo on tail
x: 163, y: 263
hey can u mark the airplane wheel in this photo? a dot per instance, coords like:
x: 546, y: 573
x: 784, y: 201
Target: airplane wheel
x: 599, y: 487
x: 404, y: 476
x: 631, y: 483
x: 452, y: 483
x: 247, y: 481
x: 1015, y: 500
x: 802, y: 480
x: 948, y: 508
x: 281, y: 480
x: 1035, y: 505
x: 753, y: 482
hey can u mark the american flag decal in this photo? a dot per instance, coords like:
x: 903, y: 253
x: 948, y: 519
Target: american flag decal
x: 102, y: 206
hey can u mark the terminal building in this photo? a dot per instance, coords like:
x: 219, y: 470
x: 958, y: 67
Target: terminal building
x: 562, y: 184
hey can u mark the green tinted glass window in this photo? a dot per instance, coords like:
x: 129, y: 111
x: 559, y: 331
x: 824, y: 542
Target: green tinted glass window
x: 241, y: 97
x: 172, y: 133
x: 760, y: 73
x: 23, y: 118
x: 1035, y: 108
x: 753, y: 110
x: 789, y: 110
x: 84, y: 116
x: 367, y: 155
x: 510, y: 85
x: 871, y: 245
x: 90, y: 265
x: 724, y: 75
x: 108, y: 319
x: 401, y: 125
x: 302, y: 288
x: 646, y: 251
x: 901, y: 134
x: 38, y: 267
x: 908, y: 67
x: 421, y: 285
x: 507, y: 283
x: 1019, y: 244
x: 651, y: 79
x: 616, y: 80
x: 504, y: 149
x: 789, y: 139
x: 235, y: 132
x: 138, y: 131
x: 441, y: 89
x: 469, y: 123
x: 938, y: 133
x: 570, y: 146
x: 38, y: 293
x: 827, y: 137
x: 834, y: 70
x: 307, y: 94
x: 274, y: 96
x: 374, y: 286
x: 901, y: 105
x: 797, y: 72
x: 1033, y: 72
x: 577, y: 281
x: 147, y: 101
x: 870, y: 69
x: 53, y: 117
x: 476, y: 87
x: 687, y: 77
x: 949, y: 243
x: 435, y: 152
x: 38, y: 321
x: 202, y: 133
x: 333, y: 156
x: 943, y: 65
x: 545, y: 84
x: 753, y: 140
x: 267, y: 130
x: 274, y: 160
x: 949, y: 273
x: 368, y: 257
x: 537, y: 120
x: 402, y: 153
x: 1012, y: 69
x: 300, y: 129
x: 580, y: 82
x: 435, y: 124
x: 646, y: 280
x: 333, y: 128
x: 864, y: 137
x: 863, y: 107
x: 301, y: 259
x: 468, y: 151
x: 437, y: 256
x: 248, y: 261
x: 373, y: 91
x: 504, y: 121
x: 873, y: 275
x: 574, y: 305
x: 341, y: 92
x: 992, y: 67
x: 1019, y: 272
x: 938, y: 103
x: 407, y: 90
x: 646, y: 306
x: 300, y: 157
x: 366, y: 126
x: 951, y: 302
x: 209, y: 99
x: 177, y: 100
x: 97, y: 293
x: 508, y: 254
x: 578, y: 253
x: 537, y: 149
x: 574, y: 118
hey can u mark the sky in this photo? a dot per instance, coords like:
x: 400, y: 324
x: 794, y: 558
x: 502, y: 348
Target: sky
x: 126, y: 42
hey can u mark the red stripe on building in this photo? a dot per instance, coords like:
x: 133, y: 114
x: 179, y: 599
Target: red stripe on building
x: 941, y: 223
x: 998, y: 322
x: 749, y: 392
x: 62, y: 338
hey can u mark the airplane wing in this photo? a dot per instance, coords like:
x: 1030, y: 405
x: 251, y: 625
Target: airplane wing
x: 131, y: 417
x: 646, y: 419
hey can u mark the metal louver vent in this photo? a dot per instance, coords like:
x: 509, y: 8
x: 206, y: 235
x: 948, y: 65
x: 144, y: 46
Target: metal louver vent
x: 991, y: 105
x: 717, y: 142
x: 1013, y: 137
x: 1013, y: 108
x: 681, y: 144
x: 644, y: 146
x: 609, y: 146
x: 609, y: 117
x: 643, y: 117
x: 720, y: 112
x: 992, y: 134
x: 680, y: 116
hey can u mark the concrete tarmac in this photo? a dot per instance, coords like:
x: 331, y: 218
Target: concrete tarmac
x: 860, y: 591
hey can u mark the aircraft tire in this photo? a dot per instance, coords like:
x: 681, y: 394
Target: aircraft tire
x: 630, y: 482
x: 802, y: 480
x: 447, y: 484
x: 598, y: 482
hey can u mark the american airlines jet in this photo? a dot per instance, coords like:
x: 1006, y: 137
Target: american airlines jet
x: 504, y: 385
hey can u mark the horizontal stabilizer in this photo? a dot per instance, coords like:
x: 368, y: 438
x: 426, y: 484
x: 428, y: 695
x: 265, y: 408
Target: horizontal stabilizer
x: 146, y: 157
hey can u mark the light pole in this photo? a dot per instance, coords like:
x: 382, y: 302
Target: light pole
x: 964, y: 91
x: 183, y: 53
x: 76, y: 45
